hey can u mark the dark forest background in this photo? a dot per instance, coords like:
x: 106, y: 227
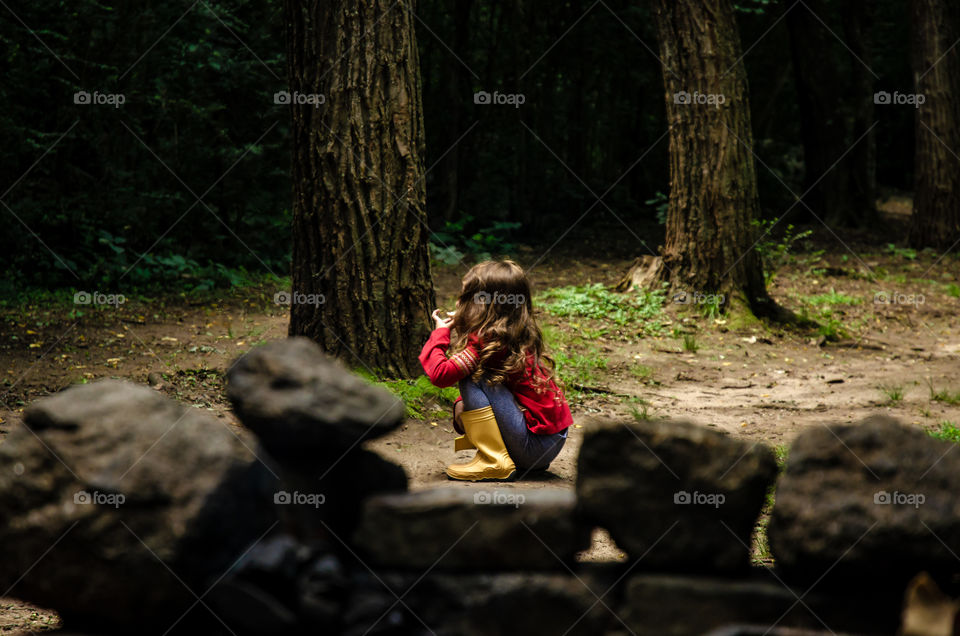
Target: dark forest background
x: 189, y: 179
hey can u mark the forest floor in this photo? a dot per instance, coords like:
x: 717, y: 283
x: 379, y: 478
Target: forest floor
x: 888, y: 343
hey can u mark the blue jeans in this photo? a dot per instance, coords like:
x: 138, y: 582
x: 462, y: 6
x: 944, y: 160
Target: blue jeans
x: 528, y: 450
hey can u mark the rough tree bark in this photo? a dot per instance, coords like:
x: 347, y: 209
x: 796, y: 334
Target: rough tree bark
x: 836, y: 109
x: 359, y: 223
x: 713, y: 182
x: 936, y: 207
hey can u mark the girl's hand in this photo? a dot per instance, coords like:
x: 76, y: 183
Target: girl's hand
x: 440, y: 321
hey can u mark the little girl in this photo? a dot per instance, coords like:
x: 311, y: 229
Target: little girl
x: 512, y: 411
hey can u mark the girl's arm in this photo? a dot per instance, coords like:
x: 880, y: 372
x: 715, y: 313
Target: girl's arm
x: 443, y: 371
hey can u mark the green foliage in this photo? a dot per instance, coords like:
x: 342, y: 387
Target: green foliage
x: 419, y: 396
x: 661, y: 203
x: 948, y: 432
x: 690, y: 343
x: 598, y: 303
x: 953, y: 290
x: 945, y: 396
x: 893, y: 393
x: 775, y: 253
x: 455, y: 241
x: 757, y: 7
x: 905, y: 253
x: 108, y: 185
x: 641, y: 412
x: 579, y: 368
x: 832, y: 298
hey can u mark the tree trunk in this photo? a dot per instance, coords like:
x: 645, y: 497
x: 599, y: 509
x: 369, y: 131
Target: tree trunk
x: 936, y: 207
x: 361, y: 268
x: 713, y: 181
x: 838, y: 178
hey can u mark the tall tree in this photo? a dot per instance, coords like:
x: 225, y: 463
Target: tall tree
x: 835, y: 100
x: 361, y: 267
x: 936, y: 68
x: 713, y: 183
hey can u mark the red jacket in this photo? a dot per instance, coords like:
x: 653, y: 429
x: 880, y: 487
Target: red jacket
x: 544, y: 406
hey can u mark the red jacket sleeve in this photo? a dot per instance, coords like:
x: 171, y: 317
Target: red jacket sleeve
x: 443, y: 371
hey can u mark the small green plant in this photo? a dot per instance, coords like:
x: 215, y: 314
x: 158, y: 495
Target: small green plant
x: 945, y: 396
x: 641, y: 412
x: 642, y: 372
x: 893, y: 393
x: 690, y: 343
x: 948, y: 432
x: 775, y: 253
x: 953, y: 290
x: 906, y: 253
x: 597, y: 302
x: 780, y: 453
x: 661, y: 203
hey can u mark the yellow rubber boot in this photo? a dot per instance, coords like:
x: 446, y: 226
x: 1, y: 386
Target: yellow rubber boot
x: 492, y: 461
x: 462, y: 443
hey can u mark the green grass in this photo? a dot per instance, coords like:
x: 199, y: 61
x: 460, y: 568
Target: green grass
x: 780, y: 452
x: 417, y: 395
x: 903, y: 252
x: 831, y: 299
x: 948, y: 432
x: 643, y: 373
x: 640, y: 308
x: 953, y: 290
x: 946, y: 396
x: 893, y: 393
x: 641, y: 412
x: 690, y: 343
x: 579, y: 368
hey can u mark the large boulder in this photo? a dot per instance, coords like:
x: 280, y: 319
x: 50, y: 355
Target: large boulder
x: 673, y: 494
x: 119, y: 505
x: 303, y: 404
x: 466, y: 528
x: 875, y: 502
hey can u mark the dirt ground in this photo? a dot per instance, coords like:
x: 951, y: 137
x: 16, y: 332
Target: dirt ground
x: 750, y: 380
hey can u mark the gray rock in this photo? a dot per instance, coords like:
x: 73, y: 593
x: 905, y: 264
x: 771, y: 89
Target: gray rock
x: 480, y: 604
x: 117, y: 499
x: 460, y: 528
x: 325, y: 495
x: 759, y: 604
x: 676, y: 495
x: 302, y: 403
x: 875, y: 502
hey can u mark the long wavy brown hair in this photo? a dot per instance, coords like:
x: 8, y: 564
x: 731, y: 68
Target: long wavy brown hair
x: 495, y: 304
